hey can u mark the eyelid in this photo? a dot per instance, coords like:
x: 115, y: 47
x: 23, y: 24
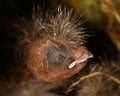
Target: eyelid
x: 56, y: 55
x: 60, y: 59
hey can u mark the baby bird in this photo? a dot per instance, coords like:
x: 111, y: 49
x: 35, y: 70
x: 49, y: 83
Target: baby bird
x: 50, y: 51
x: 52, y: 47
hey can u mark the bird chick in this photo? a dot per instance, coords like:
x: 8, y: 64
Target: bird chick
x: 52, y: 47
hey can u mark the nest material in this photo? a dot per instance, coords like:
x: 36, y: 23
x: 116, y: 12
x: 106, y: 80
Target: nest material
x: 101, y: 81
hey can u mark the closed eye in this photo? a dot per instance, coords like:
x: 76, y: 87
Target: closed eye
x: 56, y: 55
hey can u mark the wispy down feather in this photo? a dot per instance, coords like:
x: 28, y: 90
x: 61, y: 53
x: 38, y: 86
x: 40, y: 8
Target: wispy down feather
x: 62, y: 26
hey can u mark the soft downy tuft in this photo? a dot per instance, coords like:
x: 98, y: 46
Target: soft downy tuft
x: 62, y: 26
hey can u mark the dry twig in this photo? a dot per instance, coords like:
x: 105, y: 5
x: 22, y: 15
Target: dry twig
x: 70, y: 88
